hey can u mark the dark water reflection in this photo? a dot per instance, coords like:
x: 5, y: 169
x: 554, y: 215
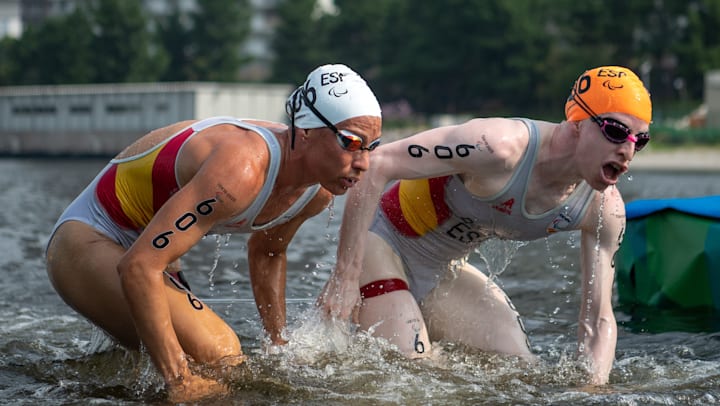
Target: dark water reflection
x: 49, y: 355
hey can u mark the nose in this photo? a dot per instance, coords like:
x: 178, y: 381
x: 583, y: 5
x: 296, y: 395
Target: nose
x: 627, y: 149
x: 361, y: 160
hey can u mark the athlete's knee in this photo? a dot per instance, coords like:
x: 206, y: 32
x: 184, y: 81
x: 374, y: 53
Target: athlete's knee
x: 229, y: 345
x: 220, y: 344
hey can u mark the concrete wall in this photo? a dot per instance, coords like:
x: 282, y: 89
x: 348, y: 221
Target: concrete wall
x: 103, y: 119
x: 712, y: 98
x: 265, y: 102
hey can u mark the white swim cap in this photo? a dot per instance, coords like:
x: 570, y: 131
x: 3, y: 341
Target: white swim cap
x: 336, y: 92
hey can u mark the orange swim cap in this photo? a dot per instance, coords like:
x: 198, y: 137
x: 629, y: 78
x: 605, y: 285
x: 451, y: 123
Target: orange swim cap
x: 608, y: 89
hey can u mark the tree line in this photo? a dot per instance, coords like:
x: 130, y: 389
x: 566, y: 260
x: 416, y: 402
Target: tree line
x: 426, y: 56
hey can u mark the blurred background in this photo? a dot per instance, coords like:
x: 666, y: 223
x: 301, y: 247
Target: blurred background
x: 86, y: 77
x: 430, y: 62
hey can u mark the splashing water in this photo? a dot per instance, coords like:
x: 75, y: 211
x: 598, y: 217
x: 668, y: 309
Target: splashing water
x: 331, y: 211
x: 312, y: 336
x: 220, y: 242
x: 497, y: 255
x: 566, y: 288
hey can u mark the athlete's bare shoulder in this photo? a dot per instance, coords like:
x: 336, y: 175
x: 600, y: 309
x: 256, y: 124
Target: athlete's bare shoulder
x: 502, y: 140
x: 153, y: 138
x: 270, y: 125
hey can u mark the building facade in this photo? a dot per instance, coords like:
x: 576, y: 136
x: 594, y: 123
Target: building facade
x: 10, y: 21
x: 102, y: 119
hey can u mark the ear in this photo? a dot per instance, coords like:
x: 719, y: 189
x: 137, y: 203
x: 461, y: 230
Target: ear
x: 303, y: 133
x: 297, y: 134
x: 575, y: 125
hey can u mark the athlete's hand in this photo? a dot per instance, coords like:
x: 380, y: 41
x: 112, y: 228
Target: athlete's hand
x: 192, y: 388
x: 340, y: 299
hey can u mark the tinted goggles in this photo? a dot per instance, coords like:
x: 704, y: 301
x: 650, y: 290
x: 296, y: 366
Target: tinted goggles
x: 617, y: 132
x: 347, y: 140
x: 352, y: 142
x: 613, y: 130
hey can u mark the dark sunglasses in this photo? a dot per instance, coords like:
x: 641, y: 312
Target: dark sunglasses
x: 347, y: 140
x: 617, y: 132
x: 613, y: 130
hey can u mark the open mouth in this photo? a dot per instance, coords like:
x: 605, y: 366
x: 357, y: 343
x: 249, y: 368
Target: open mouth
x: 612, y: 171
x: 348, y: 182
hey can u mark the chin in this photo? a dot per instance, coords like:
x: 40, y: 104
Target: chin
x: 600, y: 184
x: 335, y: 189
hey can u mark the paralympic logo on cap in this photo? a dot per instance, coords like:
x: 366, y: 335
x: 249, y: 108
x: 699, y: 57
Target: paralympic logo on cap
x: 611, y: 73
x: 334, y: 78
x: 611, y: 86
x: 334, y: 92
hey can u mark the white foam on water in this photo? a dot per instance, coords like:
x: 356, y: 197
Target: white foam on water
x: 313, y: 336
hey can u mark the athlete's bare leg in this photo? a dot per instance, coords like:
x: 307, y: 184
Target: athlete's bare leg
x: 82, y: 266
x: 396, y: 315
x: 466, y: 307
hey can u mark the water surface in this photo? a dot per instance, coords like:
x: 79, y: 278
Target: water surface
x: 49, y: 355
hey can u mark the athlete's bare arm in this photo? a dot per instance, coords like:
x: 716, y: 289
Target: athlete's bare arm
x: 597, y: 327
x: 182, y: 221
x: 486, y: 150
x: 268, y: 266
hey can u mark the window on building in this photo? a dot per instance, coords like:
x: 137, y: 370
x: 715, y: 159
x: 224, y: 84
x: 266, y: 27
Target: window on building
x: 33, y: 110
x: 81, y: 109
x: 122, y: 108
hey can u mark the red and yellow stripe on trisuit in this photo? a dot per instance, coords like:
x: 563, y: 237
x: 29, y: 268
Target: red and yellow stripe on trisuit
x: 417, y: 206
x: 133, y: 191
